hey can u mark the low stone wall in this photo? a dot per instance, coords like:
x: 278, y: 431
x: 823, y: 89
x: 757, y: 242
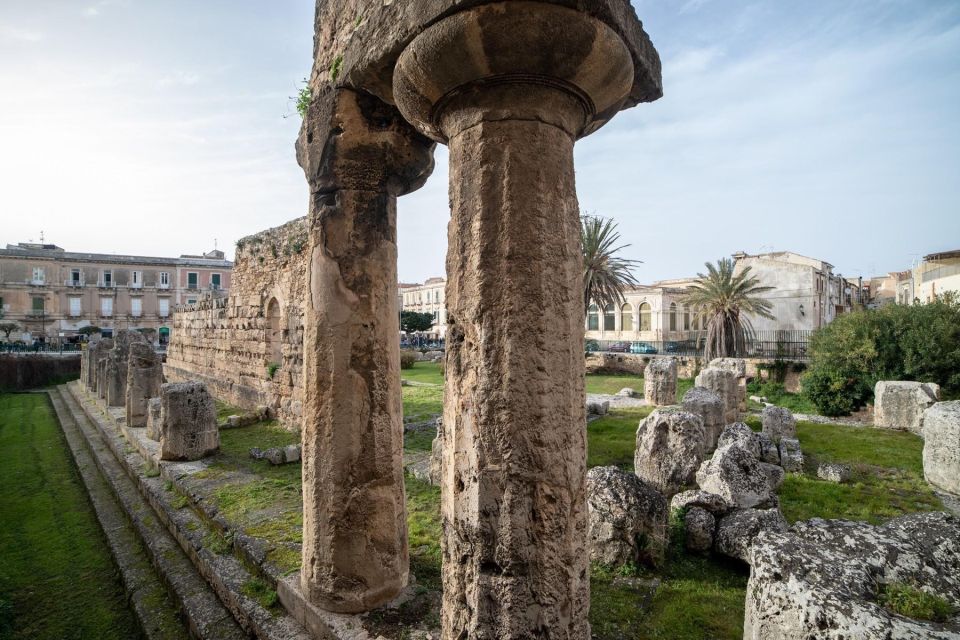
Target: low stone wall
x: 687, y: 367
x: 20, y: 371
x: 248, y: 348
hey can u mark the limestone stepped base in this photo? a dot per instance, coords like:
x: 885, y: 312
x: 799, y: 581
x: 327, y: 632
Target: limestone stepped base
x: 226, y: 574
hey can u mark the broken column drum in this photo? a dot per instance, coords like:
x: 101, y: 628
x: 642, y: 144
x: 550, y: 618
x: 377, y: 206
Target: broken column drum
x: 144, y: 377
x: 510, y: 87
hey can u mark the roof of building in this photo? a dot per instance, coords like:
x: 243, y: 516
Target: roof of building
x: 781, y: 255
x: 32, y: 250
x: 943, y: 255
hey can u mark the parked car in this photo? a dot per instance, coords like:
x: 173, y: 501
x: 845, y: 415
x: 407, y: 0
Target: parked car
x: 642, y: 347
x: 591, y: 345
x: 619, y: 347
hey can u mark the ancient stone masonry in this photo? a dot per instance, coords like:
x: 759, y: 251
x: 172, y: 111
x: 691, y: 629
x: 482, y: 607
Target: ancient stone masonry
x: 660, y: 382
x: 941, y: 446
x: 188, y: 422
x: 116, y: 366
x: 104, y: 348
x: 144, y: 377
x: 900, y: 405
x: 248, y: 348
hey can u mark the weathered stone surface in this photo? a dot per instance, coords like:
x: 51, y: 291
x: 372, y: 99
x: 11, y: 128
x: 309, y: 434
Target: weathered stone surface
x: 900, y: 405
x: 941, y: 446
x: 699, y: 526
x: 769, y: 451
x: 598, y: 408
x: 724, y: 383
x: 104, y: 348
x: 660, y: 382
x: 735, y: 474
x: 775, y: 475
x: 188, y: 429
x: 144, y: 377
x: 791, y: 457
x: 821, y: 579
x: 628, y: 518
x: 738, y: 367
x: 116, y: 371
x: 713, y: 503
x: 670, y: 448
x: 834, y: 472
x: 737, y: 531
x: 778, y: 423
x: 154, y: 418
x: 88, y: 363
x: 627, y: 392
x: 709, y: 406
x: 739, y: 433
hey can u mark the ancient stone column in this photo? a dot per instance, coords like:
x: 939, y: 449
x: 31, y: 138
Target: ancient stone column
x: 660, y: 382
x: 510, y: 87
x: 103, y: 356
x: 188, y: 426
x: 144, y: 377
x: 358, y: 155
x: 116, y: 372
x: 88, y: 374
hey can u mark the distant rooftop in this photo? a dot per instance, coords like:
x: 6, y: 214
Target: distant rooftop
x: 36, y: 250
x: 943, y: 255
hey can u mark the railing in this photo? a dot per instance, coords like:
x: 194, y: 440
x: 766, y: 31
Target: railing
x: 786, y: 345
x: 9, y: 347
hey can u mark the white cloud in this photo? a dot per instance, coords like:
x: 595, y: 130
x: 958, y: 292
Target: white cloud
x: 179, y: 78
x: 10, y: 33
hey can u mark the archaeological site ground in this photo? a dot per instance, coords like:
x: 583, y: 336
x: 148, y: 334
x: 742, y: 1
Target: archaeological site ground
x: 282, y: 470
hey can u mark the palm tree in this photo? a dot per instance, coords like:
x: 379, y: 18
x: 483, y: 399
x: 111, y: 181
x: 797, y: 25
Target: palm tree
x: 605, y: 276
x: 726, y: 299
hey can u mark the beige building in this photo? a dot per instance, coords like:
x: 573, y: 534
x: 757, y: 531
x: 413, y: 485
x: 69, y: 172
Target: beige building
x: 939, y: 273
x: 53, y: 293
x: 429, y: 297
x: 652, y: 313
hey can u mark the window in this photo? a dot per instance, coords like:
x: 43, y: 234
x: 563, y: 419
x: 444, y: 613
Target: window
x: 136, y: 279
x: 673, y: 316
x: 163, y: 307
x: 76, y: 307
x: 39, y: 275
x: 136, y: 307
x: 593, y: 320
x: 644, y: 317
x: 106, y: 307
x: 626, y: 318
x: 76, y: 277
x: 38, y: 306
x: 191, y: 301
x: 215, y: 281
x: 164, y: 280
x: 686, y: 319
x: 193, y: 280
x: 106, y: 278
x: 609, y: 318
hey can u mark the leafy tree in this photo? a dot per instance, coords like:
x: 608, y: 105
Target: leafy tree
x: 412, y: 321
x: 849, y: 356
x: 605, y: 275
x: 7, y: 328
x: 727, y: 299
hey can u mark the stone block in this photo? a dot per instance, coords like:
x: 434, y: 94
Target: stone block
x: 709, y: 406
x: 778, y: 423
x: 670, y: 447
x: 624, y: 510
x: 188, y: 422
x: 154, y: 418
x: 900, y: 405
x: 941, y: 446
x: 660, y: 382
x: 144, y: 377
x: 723, y: 383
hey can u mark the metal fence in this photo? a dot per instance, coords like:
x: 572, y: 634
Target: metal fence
x: 786, y: 345
x: 7, y: 347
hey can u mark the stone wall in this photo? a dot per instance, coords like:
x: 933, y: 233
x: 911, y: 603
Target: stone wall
x: 20, y: 371
x: 248, y: 348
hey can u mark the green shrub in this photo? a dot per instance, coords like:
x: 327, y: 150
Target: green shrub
x: 909, y: 601
x: 272, y: 369
x: 897, y: 342
x: 407, y: 359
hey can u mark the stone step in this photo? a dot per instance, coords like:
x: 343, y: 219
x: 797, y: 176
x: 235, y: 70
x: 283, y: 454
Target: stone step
x: 148, y: 596
x: 205, y: 615
x: 192, y: 530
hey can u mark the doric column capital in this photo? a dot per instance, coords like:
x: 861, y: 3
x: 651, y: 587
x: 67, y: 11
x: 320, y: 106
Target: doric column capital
x: 513, y: 61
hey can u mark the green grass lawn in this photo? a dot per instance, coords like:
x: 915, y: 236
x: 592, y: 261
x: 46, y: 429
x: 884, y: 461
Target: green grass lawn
x: 428, y: 372
x: 776, y: 394
x: 611, y: 440
x: 57, y: 578
x: 422, y: 403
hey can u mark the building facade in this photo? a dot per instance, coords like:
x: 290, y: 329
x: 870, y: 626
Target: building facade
x: 939, y: 273
x: 652, y: 313
x: 429, y: 297
x: 51, y: 293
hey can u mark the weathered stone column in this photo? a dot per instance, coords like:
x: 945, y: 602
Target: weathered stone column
x: 358, y: 155
x: 510, y: 87
x: 144, y: 377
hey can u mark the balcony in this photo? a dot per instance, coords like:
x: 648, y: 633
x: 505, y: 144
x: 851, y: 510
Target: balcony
x: 74, y: 284
x: 106, y: 285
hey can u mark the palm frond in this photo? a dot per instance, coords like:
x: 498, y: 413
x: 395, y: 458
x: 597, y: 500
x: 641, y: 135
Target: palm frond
x: 605, y: 275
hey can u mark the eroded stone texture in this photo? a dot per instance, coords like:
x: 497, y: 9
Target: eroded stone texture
x: 355, y: 536
x: 791, y: 456
x: 188, y: 422
x: 834, y: 472
x: 699, y: 526
x: 88, y: 363
x: 713, y: 503
x: 900, y: 405
x: 941, y: 446
x: 710, y: 408
x: 154, y: 418
x: 737, y: 531
x: 740, y: 433
x: 724, y: 383
x: 769, y: 451
x: 821, y: 579
x: 144, y: 377
x: 670, y: 448
x: 738, y: 367
x: 778, y: 423
x: 660, y: 382
x: 628, y: 519
x: 735, y: 474
x: 103, y: 356
x: 116, y: 369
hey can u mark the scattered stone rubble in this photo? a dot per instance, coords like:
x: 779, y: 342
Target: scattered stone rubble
x: 778, y: 423
x: 724, y: 383
x: 834, y: 472
x: 670, y: 447
x: 710, y: 408
x: 628, y: 519
x: 277, y: 455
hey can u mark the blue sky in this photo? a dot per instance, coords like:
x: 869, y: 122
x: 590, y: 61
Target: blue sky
x: 827, y: 128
